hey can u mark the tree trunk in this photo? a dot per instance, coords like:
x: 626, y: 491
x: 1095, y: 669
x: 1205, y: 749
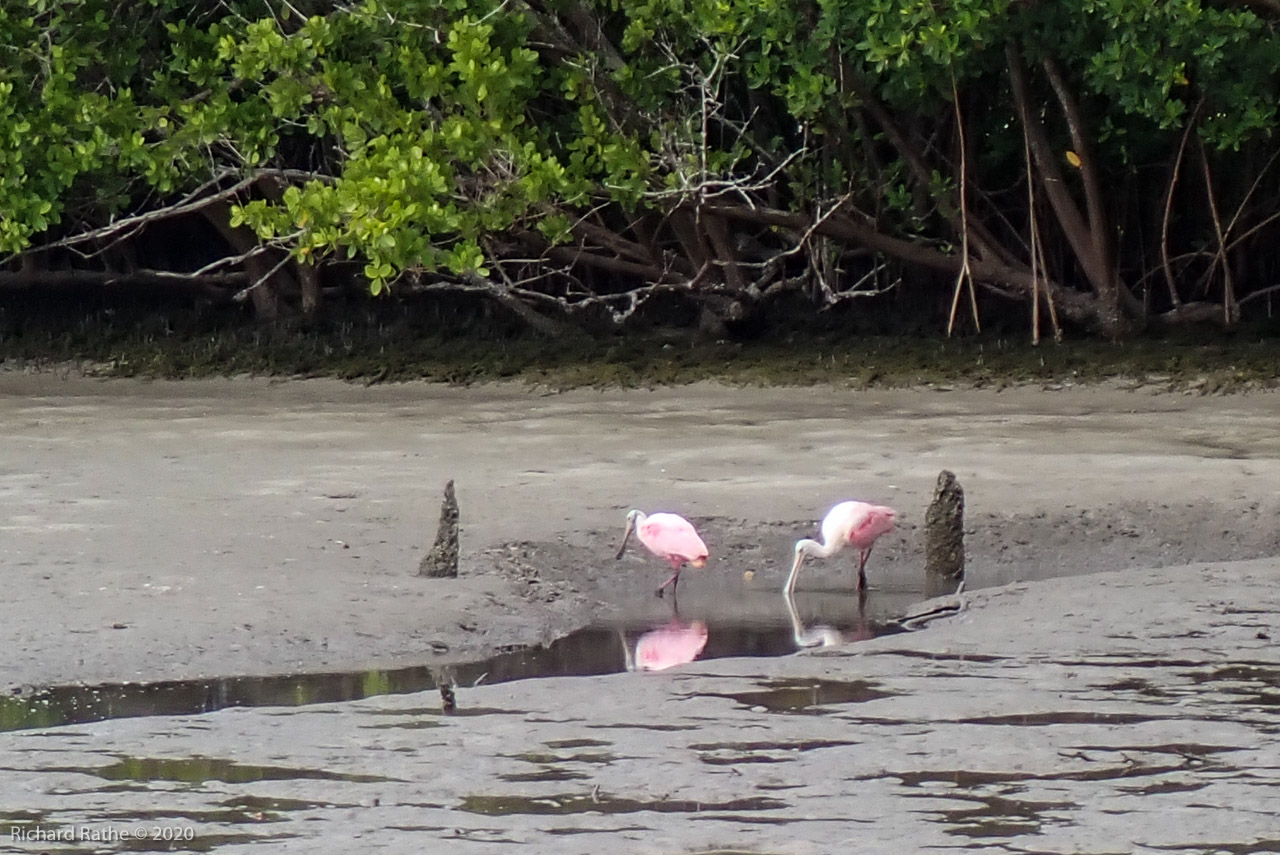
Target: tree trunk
x: 309, y: 279
x: 265, y: 283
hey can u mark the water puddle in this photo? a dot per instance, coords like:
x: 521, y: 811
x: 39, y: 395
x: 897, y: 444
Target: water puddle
x: 1270, y: 844
x: 257, y: 805
x: 1165, y: 787
x: 1045, y: 719
x: 998, y: 816
x: 964, y: 779
x: 943, y: 657
x: 807, y: 697
x: 198, y: 770
x: 614, y: 829
x: 1248, y: 684
x: 596, y: 802
x: 20, y: 818
x: 544, y: 775
x: 734, y: 753
x: 776, y: 627
x: 577, y: 743
x: 1194, y: 750
x: 603, y: 758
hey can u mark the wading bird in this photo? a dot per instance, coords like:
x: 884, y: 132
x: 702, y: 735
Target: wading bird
x: 856, y: 524
x: 668, y: 536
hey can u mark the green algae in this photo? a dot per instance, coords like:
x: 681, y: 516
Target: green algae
x: 391, y: 345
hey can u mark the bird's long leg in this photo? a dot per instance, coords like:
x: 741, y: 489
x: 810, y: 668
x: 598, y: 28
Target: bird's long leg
x: 862, y: 568
x: 673, y: 581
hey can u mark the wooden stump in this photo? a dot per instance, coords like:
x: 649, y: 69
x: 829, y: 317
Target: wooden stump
x: 446, y: 681
x: 442, y: 561
x: 448, y: 700
x: 944, y: 536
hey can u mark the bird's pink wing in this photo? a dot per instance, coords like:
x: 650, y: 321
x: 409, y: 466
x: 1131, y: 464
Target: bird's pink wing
x: 669, y: 534
x: 871, y: 522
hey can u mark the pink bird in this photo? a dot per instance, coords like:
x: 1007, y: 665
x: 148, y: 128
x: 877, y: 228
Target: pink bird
x: 670, y: 537
x: 855, y: 524
x: 668, y: 646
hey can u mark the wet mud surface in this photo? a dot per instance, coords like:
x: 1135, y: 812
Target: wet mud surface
x: 162, y: 531
x: 1147, y: 720
x: 210, y: 593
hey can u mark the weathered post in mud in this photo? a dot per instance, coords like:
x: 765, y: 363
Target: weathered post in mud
x: 448, y: 700
x: 446, y: 681
x: 442, y: 561
x: 944, y: 537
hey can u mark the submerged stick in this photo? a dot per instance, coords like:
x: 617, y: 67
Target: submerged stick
x: 944, y: 536
x: 442, y: 561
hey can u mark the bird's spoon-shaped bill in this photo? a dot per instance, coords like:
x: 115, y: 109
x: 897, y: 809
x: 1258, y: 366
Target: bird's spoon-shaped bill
x: 626, y: 537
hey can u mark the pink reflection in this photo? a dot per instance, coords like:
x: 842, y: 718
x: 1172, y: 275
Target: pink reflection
x: 671, y: 645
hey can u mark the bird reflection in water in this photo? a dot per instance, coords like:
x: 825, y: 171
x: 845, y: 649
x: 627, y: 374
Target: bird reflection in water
x: 823, y: 635
x: 676, y: 643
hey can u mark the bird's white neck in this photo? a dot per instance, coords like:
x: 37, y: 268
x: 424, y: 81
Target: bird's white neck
x: 815, y: 549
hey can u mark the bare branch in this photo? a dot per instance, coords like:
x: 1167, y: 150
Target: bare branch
x: 1075, y: 304
x: 1168, y: 207
x: 243, y: 294
x: 965, y: 274
x: 53, y: 278
x: 191, y: 203
x: 1259, y: 293
x: 1220, y: 256
x: 1257, y: 181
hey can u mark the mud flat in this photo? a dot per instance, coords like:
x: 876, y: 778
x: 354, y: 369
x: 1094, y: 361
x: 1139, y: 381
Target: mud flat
x: 153, y: 531
x: 1132, y: 711
x: 162, y: 530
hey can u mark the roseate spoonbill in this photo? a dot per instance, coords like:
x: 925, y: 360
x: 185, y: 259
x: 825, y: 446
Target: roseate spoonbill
x: 847, y: 524
x: 667, y: 646
x: 668, y: 536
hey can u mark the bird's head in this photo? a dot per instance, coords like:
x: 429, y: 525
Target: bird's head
x: 802, y: 549
x: 633, y: 516
x: 805, y: 549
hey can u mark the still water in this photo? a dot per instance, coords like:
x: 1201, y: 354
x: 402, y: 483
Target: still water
x: 774, y: 626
